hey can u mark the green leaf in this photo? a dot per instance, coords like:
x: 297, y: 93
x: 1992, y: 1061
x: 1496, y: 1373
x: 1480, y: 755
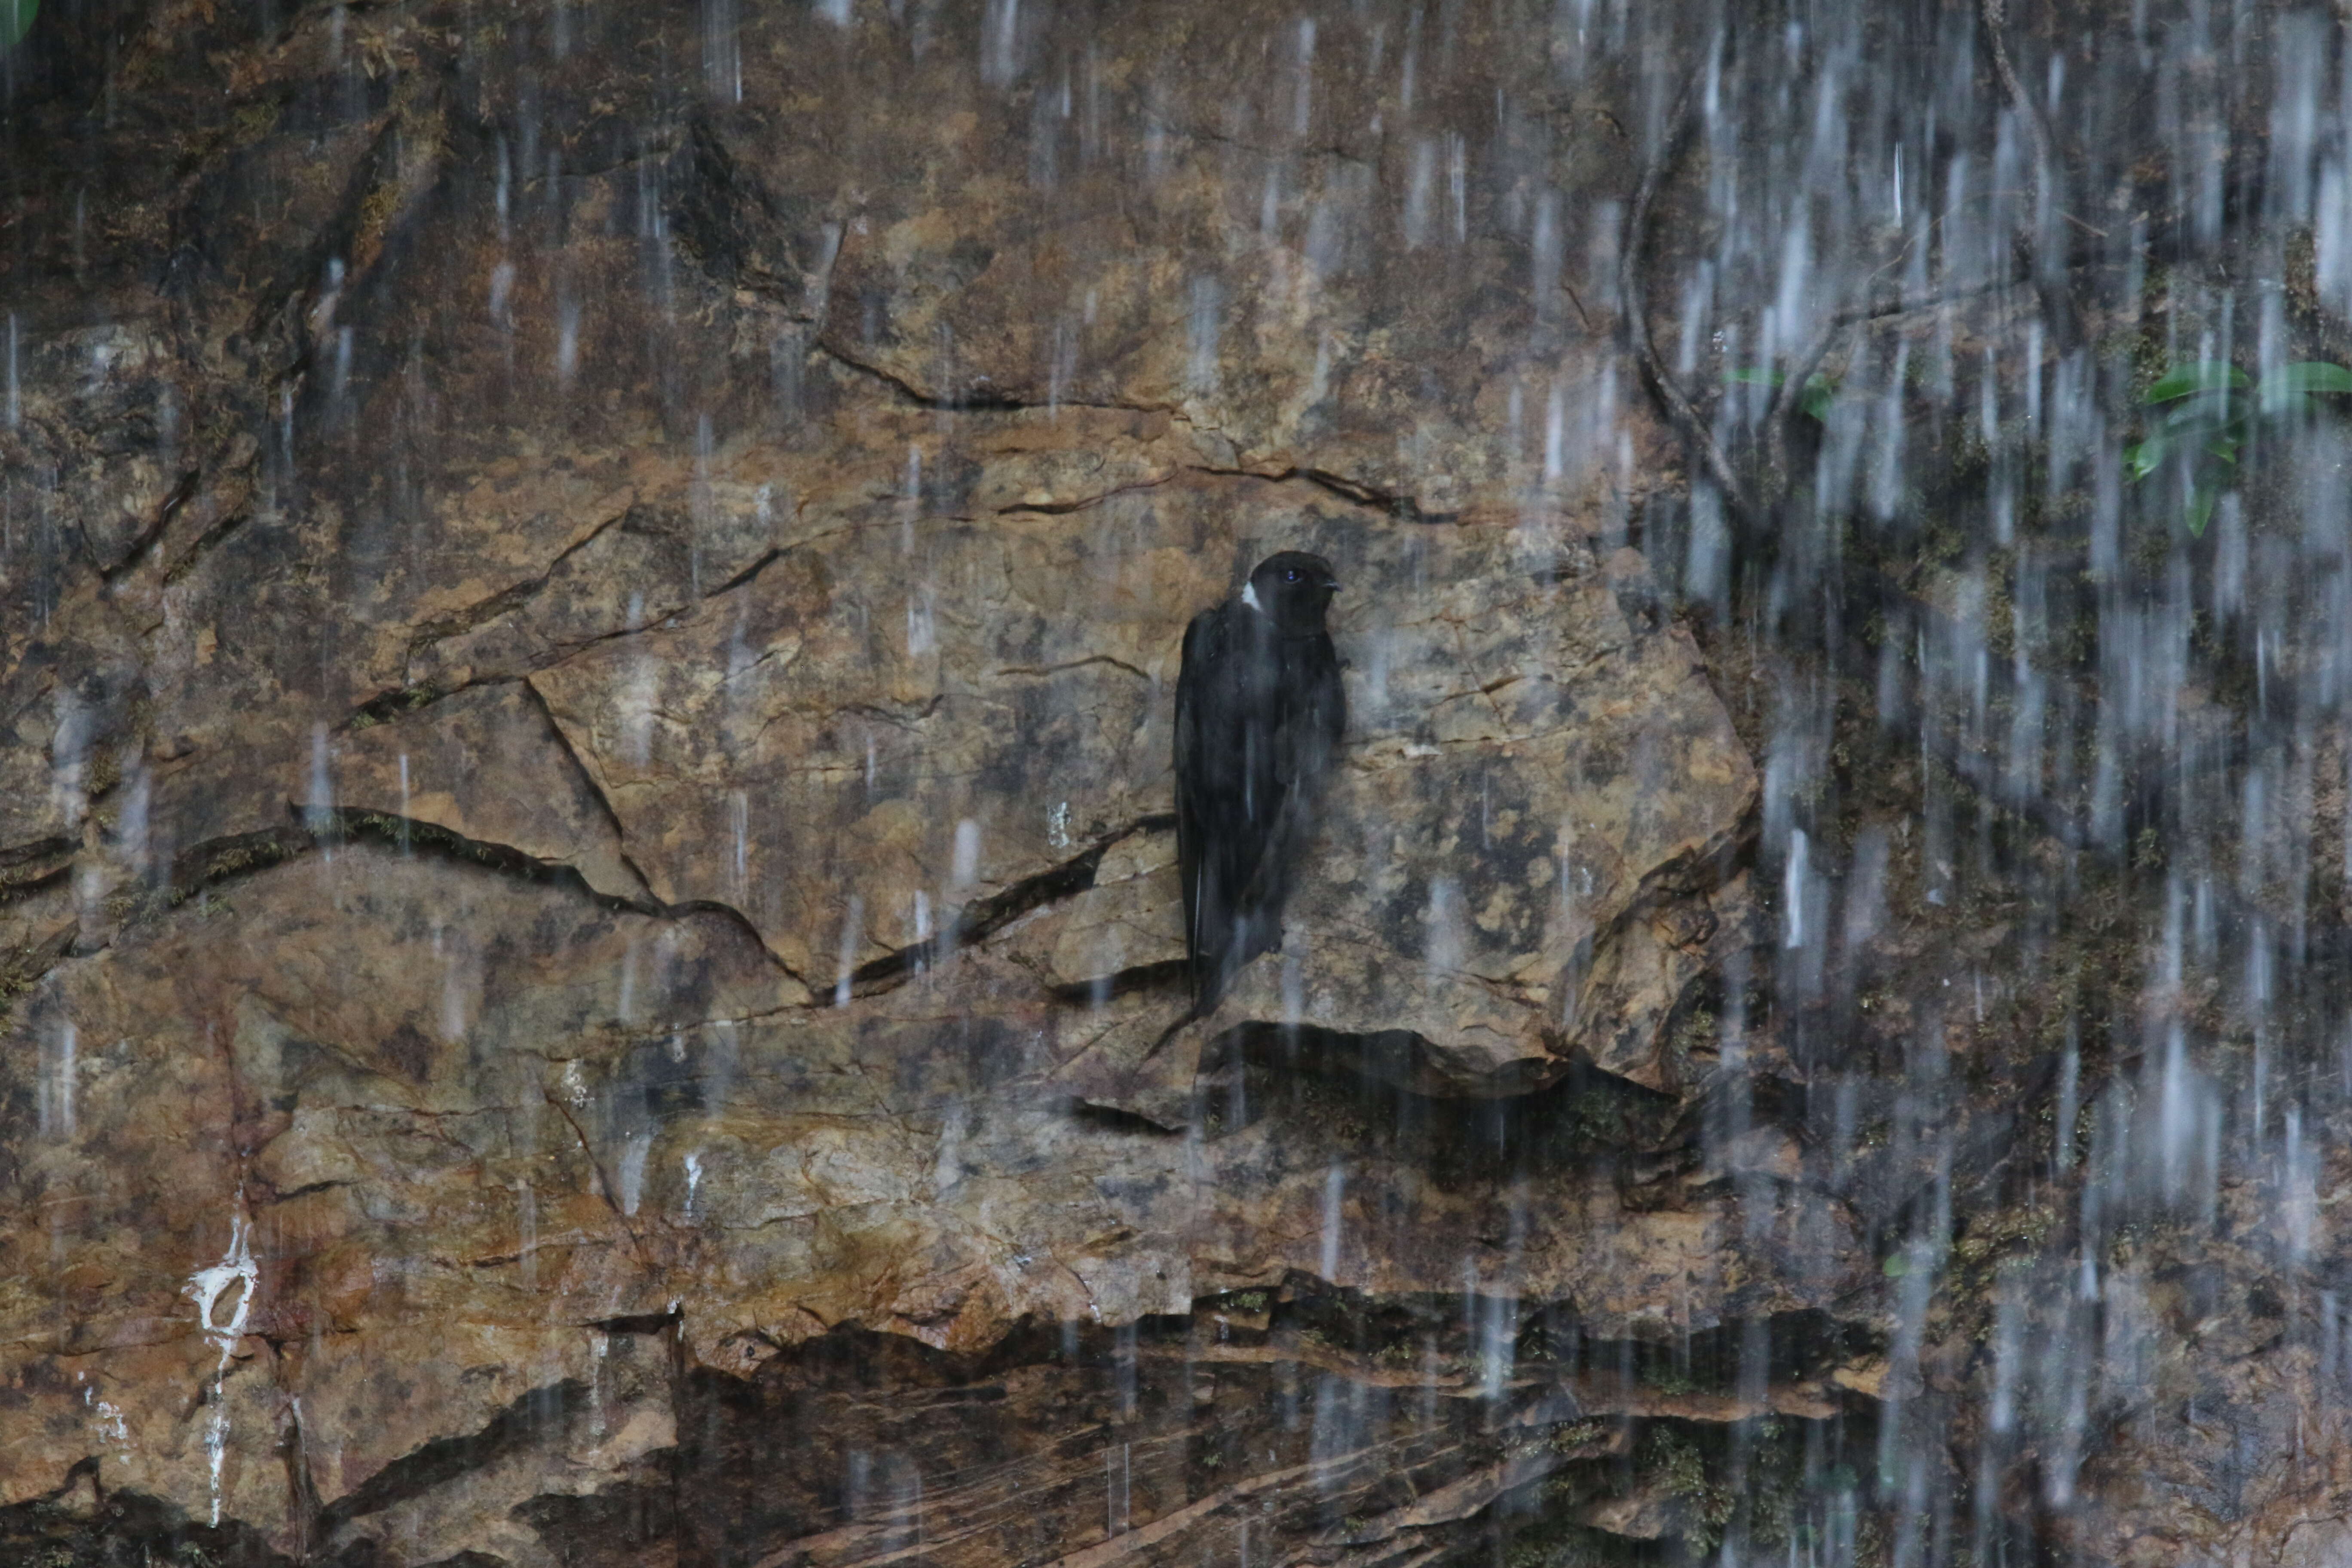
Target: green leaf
x: 1745, y: 375
x: 16, y: 20
x: 2201, y: 509
x: 2147, y: 457
x: 2225, y: 447
x: 1814, y: 400
x: 2207, y: 408
x: 2204, y: 375
x: 1896, y: 1267
x: 2311, y: 376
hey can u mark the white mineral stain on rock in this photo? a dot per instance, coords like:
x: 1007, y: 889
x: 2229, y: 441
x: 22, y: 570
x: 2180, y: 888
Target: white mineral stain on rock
x: 236, y: 1271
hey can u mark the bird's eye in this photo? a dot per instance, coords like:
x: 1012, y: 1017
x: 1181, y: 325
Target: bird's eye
x: 1292, y: 575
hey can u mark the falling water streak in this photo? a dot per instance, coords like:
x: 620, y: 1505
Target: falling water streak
x: 1793, y: 889
x: 852, y: 934
x: 1335, y: 1183
x: 406, y: 847
x: 57, y: 1084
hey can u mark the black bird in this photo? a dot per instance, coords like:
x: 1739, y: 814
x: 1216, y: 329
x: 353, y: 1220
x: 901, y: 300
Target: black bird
x: 1259, y: 713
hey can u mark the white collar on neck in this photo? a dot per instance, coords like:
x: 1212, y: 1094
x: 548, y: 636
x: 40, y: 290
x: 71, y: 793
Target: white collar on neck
x: 1249, y: 597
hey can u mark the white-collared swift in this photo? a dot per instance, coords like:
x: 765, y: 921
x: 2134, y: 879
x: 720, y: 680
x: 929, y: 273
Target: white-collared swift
x: 1259, y: 714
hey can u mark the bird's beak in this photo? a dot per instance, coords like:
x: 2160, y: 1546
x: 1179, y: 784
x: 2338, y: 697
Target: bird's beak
x: 1332, y: 584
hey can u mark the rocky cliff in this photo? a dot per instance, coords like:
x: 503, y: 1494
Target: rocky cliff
x: 592, y: 597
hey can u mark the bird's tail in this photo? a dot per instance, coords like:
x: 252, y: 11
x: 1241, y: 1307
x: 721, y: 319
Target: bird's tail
x: 1250, y: 936
x: 1206, y: 994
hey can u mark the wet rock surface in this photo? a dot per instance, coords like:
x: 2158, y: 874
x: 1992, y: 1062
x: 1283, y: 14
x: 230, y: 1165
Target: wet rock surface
x: 589, y: 608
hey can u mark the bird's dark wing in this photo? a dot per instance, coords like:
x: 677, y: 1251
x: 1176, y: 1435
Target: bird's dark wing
x: 1229, y: 788
x: 1200, y: 786
x: 1311, y: 717
x: 1314, y: 715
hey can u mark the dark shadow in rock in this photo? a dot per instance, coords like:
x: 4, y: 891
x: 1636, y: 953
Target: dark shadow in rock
x: 526, y: 1423
x: 1398, y: 1057
x: 746, y: 235
x: 1350, y: 1090
x: 1142, y: 977
x: 1315, y: 1414
x: 122, y: 1528
x: 618, y: 1526
x: 1116, y: 1118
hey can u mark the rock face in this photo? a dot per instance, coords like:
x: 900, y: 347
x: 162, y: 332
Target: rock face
x: 595, y: 800
x: 589, y: 606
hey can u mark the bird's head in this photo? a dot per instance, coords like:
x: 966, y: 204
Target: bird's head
x: 1291, y: 589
